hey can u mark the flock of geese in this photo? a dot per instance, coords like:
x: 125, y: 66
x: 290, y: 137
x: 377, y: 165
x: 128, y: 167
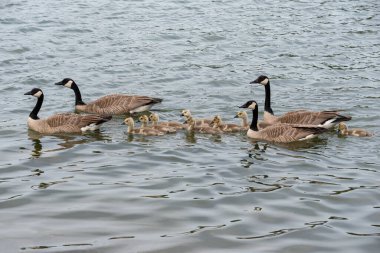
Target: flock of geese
x: 290, y: 127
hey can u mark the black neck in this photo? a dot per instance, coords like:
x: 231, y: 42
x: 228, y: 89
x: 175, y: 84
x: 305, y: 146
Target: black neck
x: 78, y: 96
x: 37, y: 107
x: 255, y: 116
x: 267, y: 107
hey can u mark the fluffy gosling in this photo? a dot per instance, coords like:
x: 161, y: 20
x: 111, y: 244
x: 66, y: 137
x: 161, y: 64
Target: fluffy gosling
x: 343, y: 130
x: 142, y: 131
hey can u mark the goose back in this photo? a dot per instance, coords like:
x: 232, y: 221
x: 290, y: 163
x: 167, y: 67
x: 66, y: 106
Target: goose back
x: 115, y: 104
x: 67, y: 123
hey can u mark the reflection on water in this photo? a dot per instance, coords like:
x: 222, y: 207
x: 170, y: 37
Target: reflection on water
x: 113, y: 192
x: 67, y: 141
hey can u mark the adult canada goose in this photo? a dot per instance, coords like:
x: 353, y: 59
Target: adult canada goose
x: 217, y: 122
x: 343, y: 130
x: 61, y: 123
x: 142, y: 131
x: 326, y: 119
x: 155, y: 118
x: 144, y: 119
x: 201, y: 129
x: 281, y: 133
x: 198, y: 122
x: 110, y: 104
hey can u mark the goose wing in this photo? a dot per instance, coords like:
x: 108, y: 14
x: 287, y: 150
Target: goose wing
x: 288, y: 133
x: 120, y: 104
x: 69, y: 121
x: 312, y: 118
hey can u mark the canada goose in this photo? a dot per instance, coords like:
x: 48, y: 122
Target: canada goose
x: 198, y: 122
x: 61, y: 123
x: 110, y: 104
x: 281, y: 133
x: 155, y: 118
x: 231, y: 128
x: 144, y: 124
x: 143, y: 131
x: 343, y: 130
x: 201, y: 129
x: 326, y: 119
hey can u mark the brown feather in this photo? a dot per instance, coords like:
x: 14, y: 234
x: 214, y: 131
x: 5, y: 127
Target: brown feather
x: 116, y: 104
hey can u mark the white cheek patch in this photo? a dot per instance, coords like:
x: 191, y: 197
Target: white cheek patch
x: 252, y: 106
x: 68, y: 84
x: 38, y: 94
x: 265, y: 81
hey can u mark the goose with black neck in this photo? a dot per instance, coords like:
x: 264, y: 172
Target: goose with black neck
x: 326, y: 119
x: 280, y: 133
x: 114, y: 104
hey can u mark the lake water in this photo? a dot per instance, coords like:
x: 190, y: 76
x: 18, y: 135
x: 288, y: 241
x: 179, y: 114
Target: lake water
x: 108, y: 192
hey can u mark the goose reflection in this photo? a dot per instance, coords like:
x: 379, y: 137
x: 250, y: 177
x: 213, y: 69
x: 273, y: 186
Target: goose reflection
x: 64, y: 141
x: 297, y: 145
x: 254, y: 153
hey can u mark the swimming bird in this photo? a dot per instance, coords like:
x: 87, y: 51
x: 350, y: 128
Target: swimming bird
x: 198, y: 122
x: 281, y: 133
x: 244, y: 118
x: 142, y: 130
x: 144, y: 124
x: 155, y: 121
x: 201, y: 129
x: 326, y: 119
x: 217, y: 122
x: 343, y: 130
x: 113, y: 104
x: 61, y: 123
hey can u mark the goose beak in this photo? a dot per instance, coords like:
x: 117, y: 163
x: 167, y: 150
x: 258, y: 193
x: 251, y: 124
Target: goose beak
x: 243, y: 106
x: 255, y: 81
x: 59, y: 83
x: 123, y: 123
x: 28, y: 93
x: 236, y: 116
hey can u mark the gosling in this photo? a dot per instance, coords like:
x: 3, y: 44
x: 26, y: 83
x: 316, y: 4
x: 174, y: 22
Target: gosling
x: 155, y: 118
x: 229, y: 128
x: 142, y: 131
x: 201, y: 129
x: 198, y: 122
x: 144, y: 124
x: 343, y: 130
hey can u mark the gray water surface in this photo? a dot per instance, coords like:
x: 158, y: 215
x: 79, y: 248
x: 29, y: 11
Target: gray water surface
x: 109, y: 192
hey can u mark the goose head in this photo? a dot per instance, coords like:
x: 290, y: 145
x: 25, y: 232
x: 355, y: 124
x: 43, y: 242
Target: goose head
x: 129, y: 121
x: 251, y: 104
x: 216, y: 121
x: 263, y: 80
x: 67, y: 82
x: 154, y: 117
x: 36, y: 92
x: 143, y: 119
x: 186, y: 113
x: 241, y: 115
x: 342, y: 127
